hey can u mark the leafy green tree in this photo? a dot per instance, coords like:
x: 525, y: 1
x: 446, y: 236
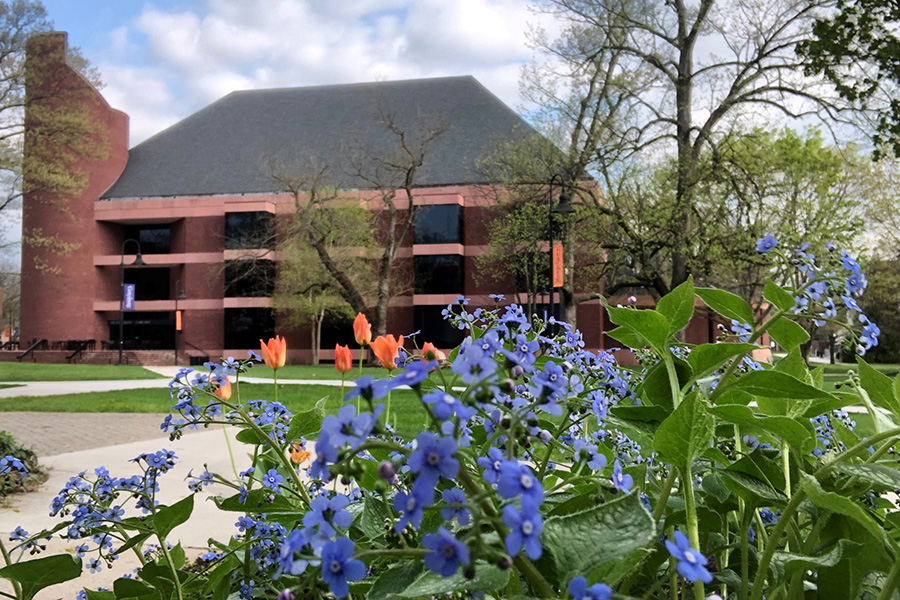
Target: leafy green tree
x: 306, y: 292
x: 629, y: 86
x: 791, y: 185
x: 66, y: 131
x: 856, y: 47
x: 881, y: 303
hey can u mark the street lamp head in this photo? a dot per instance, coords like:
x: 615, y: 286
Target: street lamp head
x: 181, y: 296
x: 563, y: 207
x: 138, y: 260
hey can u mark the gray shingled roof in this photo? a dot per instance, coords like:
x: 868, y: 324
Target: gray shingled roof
x: 233, y: 145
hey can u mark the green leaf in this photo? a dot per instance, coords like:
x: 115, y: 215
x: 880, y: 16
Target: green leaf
x: 373, y: 515
x: 168, y: 518
x: 395, y: 580
x: 883, y: 476
x: 307, y: 422
x: 656, y: 388
x: 627, y: 336
x: 686, y: 433
x: 607, y: 532
x: 224, y: 569
x: 640, y: 413
x: 487, y: 578
x: 678, y: 306
x: 879, y: 387
x: 177, y: 554
x: 727, y: 304
x: 772, y: 384
x: 778, y: 296
x: 799, y: 434
x: 753, y: 489
x: 787, y: 333
x: 707, y: 358
x: 257, y: 501
x: 132, y: 588
x: 648, y: 324
x: 839, y: 504
x: 789, y: 562
x: 99, y: 595
x: 251, y: 437
x: 35, y: 575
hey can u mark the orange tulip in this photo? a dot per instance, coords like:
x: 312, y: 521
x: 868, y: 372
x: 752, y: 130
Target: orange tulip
x: 223, y: 392
x: 274, y: 353
x: 387, y: 349
x: 343, y: 358
x: 362, y: 330
x: 430, y: 352
x: 298, y: 454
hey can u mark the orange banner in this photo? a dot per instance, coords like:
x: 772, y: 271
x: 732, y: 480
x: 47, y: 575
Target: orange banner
x: 177, y: 320
x: 558, y: 266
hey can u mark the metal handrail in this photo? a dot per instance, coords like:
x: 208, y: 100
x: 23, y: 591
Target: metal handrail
x: 82, y: 346
x: 32, y: 348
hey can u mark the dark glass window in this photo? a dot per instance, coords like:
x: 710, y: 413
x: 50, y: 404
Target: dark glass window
x: 144, y: 331
x: 438, y: 274
x: 435, y: 329
x: 244, y: 327
x: 245, y: 230
x: 150, y: 283
x: 249, y: 278
x: 337, y: 328
x: 154, y: 239
x: 439, y: 224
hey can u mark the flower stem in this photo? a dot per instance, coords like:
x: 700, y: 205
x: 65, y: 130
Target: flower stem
x: 693, y: 525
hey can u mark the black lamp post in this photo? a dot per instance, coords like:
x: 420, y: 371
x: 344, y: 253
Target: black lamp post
x: 179, y: 295
x: 138, y: 261
x: 561, y: 208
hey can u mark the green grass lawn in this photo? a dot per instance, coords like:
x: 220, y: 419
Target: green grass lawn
x: 890, y: 369
x: 406, y: 410
x: 14, y: 371
x: 323, y: 372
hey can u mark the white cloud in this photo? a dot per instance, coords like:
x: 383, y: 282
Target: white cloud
x: 193, y: 58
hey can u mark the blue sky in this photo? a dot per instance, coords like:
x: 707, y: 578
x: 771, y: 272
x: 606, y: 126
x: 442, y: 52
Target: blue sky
x: 161, y: 60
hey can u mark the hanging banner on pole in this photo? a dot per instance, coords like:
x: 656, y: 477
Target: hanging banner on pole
x: 177, y: 320
x: 558, y: 266
x: 128, y: 296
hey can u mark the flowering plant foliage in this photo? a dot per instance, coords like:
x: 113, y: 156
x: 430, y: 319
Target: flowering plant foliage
x: 542, y: 470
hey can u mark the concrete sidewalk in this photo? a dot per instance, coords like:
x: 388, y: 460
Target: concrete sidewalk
x: 194, y: 450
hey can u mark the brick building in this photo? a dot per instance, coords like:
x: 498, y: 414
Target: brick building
x: 196, y: 195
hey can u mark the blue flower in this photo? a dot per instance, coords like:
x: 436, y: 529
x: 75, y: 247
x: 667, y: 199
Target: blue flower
x: 691, y: 564
x: 870, y: 333
x: 415, y: 373
x: 579, y: 590
x: 411, y: 505
x: 10, y: 463
x: 764, y: 244
x: 621, y: 481
x: 518, y: 480
x: 742, y: 330
x: 348, y: 427
x: 491, y: 464
x: 338, y: 566
x: 588, y: 453
x: 525, y: 528
x: 94, y: 565
x: 433, y: 457
x: 447, y: 553
x: 272, y: 479
x: 369, y: 388
x: 443, y: 405
x: 856, y: 283
x: 848, y: 263
x: 851, y: 303
x: 455, y: 496
x: 325, y: 512
x: 472, y: 364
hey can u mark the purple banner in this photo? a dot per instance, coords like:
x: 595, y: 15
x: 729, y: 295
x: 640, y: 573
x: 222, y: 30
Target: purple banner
x: 128, y: 296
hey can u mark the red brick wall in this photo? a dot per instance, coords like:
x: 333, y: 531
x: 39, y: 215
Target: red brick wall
x: 60, y: 306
